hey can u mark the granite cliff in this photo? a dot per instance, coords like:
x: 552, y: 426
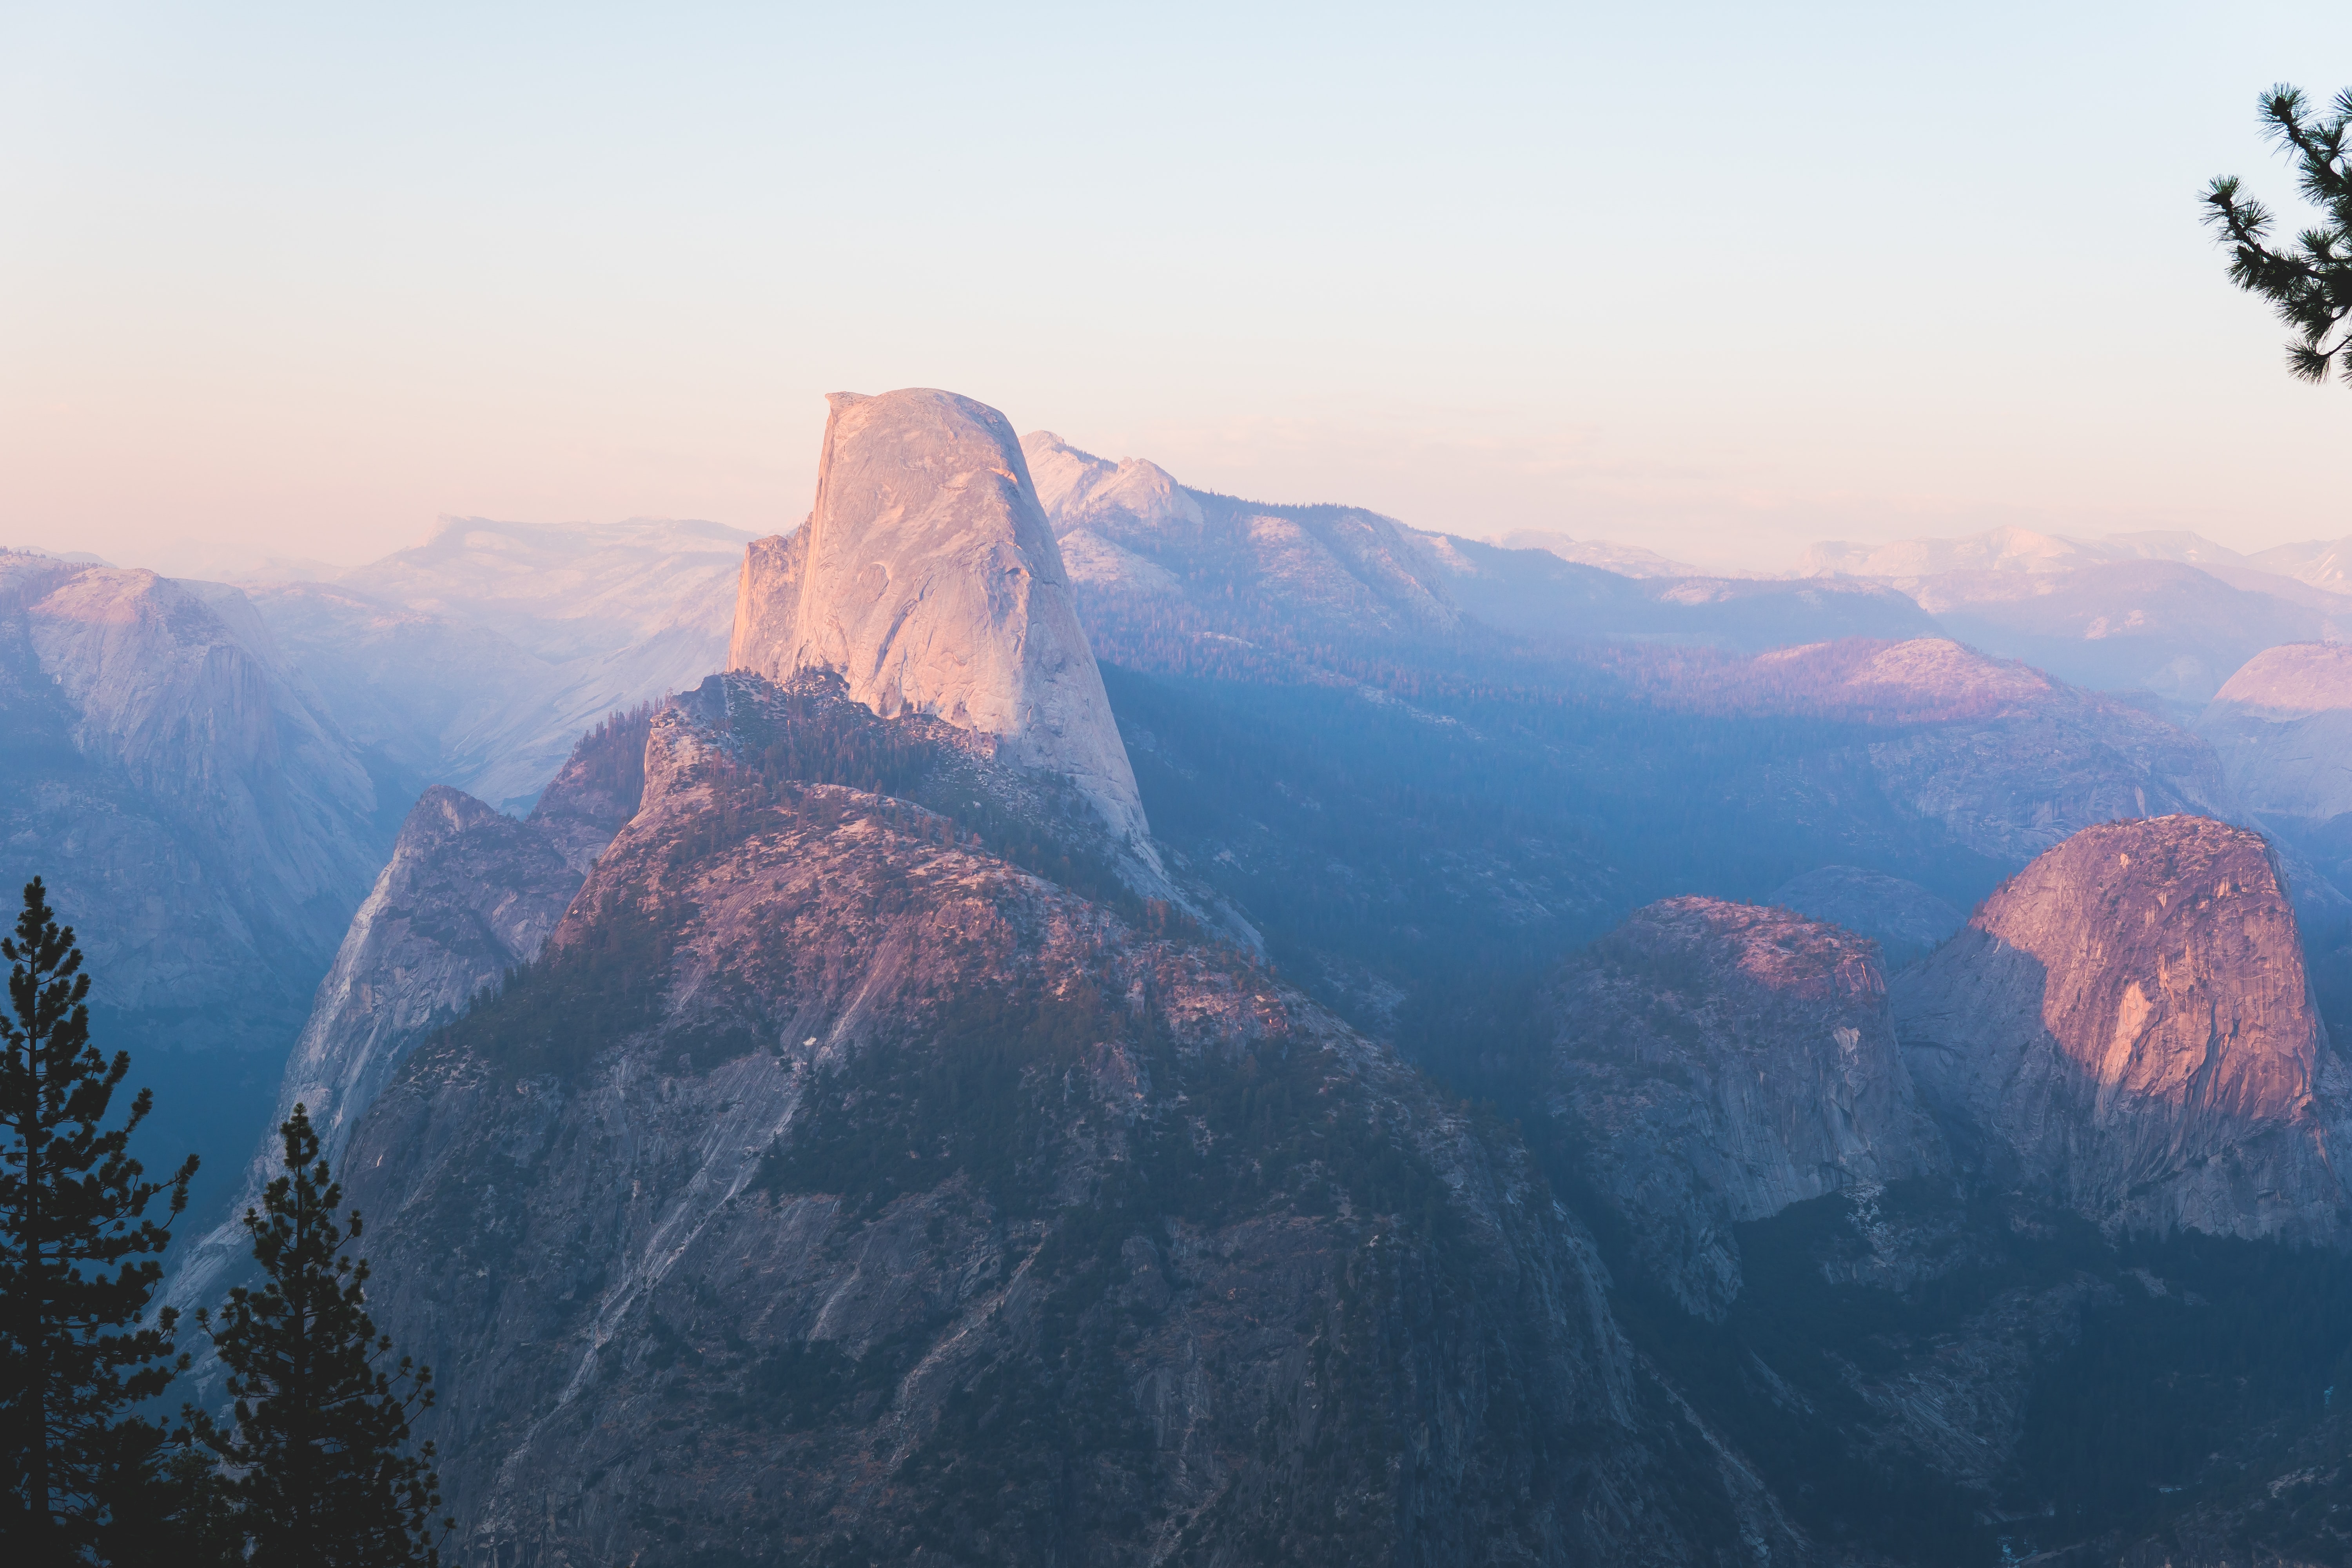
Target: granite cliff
x: 2127, y: 1026
x: 928, y: 577
x: 468, y: 895
x: 2283, y: 728
x: 1716, y: 1063
x: 193, y: 811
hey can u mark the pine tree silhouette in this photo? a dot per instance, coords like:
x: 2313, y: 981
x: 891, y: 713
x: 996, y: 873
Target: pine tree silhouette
x: 321, y: 1477
x: 78, y: 1261
x: 2309, y: 283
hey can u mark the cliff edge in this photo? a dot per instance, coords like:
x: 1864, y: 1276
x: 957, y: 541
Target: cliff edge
x: 2126, y: 1025
x: 1718, y: 1062
x: 928, y: 577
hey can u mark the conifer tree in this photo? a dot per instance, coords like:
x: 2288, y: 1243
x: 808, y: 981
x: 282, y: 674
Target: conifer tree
x: 317, y: 1449
x: 2310, y: 283
x: 77, y: 1260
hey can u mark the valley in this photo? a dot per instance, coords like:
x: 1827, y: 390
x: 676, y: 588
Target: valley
x: 1049, y: 1016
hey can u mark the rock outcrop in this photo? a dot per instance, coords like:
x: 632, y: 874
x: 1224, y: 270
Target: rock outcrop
x: 469, y: 895
x: 198, y: 819
x: 1715, y: 1063
x: 928, y: 577
x: 2126, y: 1026
x: 2283, y: 728
x: 931, y: 1211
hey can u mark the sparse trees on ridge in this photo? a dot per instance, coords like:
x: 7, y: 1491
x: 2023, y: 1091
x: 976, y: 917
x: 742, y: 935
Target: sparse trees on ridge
x: 2309, y: 283
x: 78, y: 1263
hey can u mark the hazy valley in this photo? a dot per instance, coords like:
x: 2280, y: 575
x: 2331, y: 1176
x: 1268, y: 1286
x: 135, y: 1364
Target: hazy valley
x: 1049, y: 1016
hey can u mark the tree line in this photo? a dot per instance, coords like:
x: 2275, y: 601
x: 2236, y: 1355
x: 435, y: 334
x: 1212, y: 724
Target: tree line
x: 307, y: 1463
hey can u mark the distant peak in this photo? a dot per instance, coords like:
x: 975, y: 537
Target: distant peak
x: 929, y: 577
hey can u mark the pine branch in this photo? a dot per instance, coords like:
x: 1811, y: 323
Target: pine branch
x: 2310, y: 286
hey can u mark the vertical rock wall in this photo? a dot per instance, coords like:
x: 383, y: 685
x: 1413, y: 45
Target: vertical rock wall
x: 927, y: 575
x: 2126, y: 1023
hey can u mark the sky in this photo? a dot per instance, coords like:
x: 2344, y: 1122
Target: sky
x: 1718, y: 281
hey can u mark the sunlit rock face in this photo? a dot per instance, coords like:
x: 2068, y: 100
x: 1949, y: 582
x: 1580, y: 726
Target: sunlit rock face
x: 196, y: 817
x: 928, y: 577
x: 2283, y: 728
x: 2125, y: 1026
x: 1718, y: 1062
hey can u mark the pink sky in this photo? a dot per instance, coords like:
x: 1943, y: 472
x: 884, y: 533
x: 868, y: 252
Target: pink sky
x: 1707, y: 280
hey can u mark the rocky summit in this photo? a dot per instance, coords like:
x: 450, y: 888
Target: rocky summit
x: 1716, y: 1063
x: 2283, y: 728
x: 928, y: 578
x: 834, y: 1188
x: 832, y: 1129
x: 2126, y: 1025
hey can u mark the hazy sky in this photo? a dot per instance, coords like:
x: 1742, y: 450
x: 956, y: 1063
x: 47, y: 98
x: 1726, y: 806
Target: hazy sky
x: 1719, y: 279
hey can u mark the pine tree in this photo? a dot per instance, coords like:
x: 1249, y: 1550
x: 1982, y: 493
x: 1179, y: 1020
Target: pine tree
x: 2310, y: 286
x: 77, y: 1260
x: 317, y: 1449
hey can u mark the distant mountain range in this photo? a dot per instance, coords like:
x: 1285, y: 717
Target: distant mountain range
x: 1050, y: 1015
x: 474, y: 658
x: 917, y: 1138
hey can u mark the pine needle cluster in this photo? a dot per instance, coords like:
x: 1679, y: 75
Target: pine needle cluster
x: 2309, y: 283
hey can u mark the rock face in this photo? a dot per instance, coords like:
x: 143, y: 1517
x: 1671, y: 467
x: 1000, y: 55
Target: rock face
x: 1903, y: 917
x: 926, y: 576
x: 768, y: 604
x: 469, y: 894
x: 2125, y: 1026
x: 198, y: 819
x: 1718, y: 1062
x: 831, y: 1188
x: 2283, y: 728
